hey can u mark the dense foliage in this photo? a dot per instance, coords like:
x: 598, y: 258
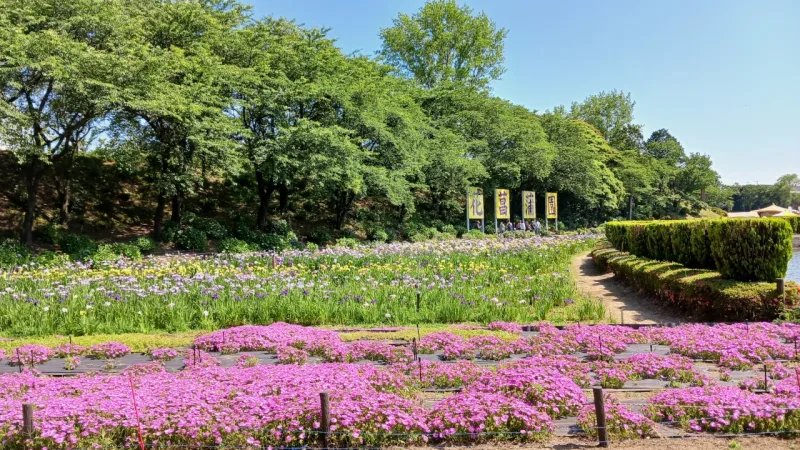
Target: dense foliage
x: 703, y: 294
x: 739, y: 249
x: 118, y: 114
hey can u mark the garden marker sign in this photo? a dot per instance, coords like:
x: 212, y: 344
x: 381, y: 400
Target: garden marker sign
x: 528, y: 204
x: 475, y: 205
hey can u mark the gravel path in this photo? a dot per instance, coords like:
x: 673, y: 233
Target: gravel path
x: 622, y: 303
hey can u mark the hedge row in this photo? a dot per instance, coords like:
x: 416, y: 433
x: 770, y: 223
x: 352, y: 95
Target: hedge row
x: 703, y: 294
x: 739, y: 249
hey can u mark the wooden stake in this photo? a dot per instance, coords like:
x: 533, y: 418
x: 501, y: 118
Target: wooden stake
x: 325, y: 422
x: 27, y: 419
x: 600, y: 411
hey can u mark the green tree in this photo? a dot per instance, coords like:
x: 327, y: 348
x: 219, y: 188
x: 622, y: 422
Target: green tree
x: 175, y: 109
x: 445, y: 42
x: 62, y: 67
x: 696, y: 175
x: 609, y: 112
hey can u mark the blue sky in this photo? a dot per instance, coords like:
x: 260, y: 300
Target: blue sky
x: 723, y: 76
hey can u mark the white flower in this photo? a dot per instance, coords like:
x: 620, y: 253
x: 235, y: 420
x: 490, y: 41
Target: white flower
x: 205, y: 313
x: 388, y: 316
x: 88, y: 307
x: 107, y: 304
x: 46, y: 308
x: 366, y: 304
x: 521, y: 302
x: 392, y: 296
x: 171, y: 305
x: 494, y: 299
x: 139, y: 313
x: 63, y: 310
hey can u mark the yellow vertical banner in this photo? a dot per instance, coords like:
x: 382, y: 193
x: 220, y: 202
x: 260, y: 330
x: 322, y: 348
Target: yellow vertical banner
x: 552, y: 205
x: 475, y: 203
x: 528, y: 204
x: 502, y: 202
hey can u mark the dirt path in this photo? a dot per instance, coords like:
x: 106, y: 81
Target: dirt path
x: 621, y: 302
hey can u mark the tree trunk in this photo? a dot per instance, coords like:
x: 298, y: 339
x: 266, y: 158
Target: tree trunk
x: 265, y: 190
x: 64, y: 189
x: 283, y: 197
x: 177, y: 206
x: 158, y: 220
x: 630, y: 208
x: 32, y: 188
x: 343, y: 207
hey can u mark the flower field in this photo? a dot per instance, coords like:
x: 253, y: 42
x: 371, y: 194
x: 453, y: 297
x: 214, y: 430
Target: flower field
x: 379, y: 392
x: 484, y: 280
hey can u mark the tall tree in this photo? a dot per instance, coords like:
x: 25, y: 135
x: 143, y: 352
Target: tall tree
x: 177, y: 107
x: 62, y: 65
x: 609, y: 112
x: 445, y: 42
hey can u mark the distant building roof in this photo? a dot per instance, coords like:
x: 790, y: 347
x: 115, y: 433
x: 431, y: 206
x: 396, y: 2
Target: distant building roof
x: 771, y: 209
x: 743, y: 215
x: 786, y: 213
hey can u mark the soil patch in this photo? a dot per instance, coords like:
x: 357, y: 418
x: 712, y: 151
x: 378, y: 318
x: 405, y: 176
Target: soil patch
x: 623, y: 304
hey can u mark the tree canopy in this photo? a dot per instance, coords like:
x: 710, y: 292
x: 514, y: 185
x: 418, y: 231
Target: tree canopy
x: 200, y: 108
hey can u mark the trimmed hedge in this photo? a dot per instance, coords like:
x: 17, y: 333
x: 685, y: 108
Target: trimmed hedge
x: 703, y: 294
x: 740, y: 249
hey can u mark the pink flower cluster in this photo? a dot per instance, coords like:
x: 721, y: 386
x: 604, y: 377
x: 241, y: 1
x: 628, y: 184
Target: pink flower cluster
x: 26, y: 355
x: 508, y: 327
x: 109, y: 350
x: 621, y: 422
x: 163, y: 354
x: 727, y: 409
x: 64, y: 350
x: 472, y: 416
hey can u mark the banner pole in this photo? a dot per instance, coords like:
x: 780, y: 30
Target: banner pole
x: 468, y: 199
x: 495, y: 211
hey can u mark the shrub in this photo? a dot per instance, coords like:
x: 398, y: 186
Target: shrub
x: 233, y: 245
x: 212, y: 228
x: 105, y: 253
x: 272, y: 242
x: 49, y: 233
x: 704, y: 294
x: 378, y: 235
x: 50, y: 259
x: 280, y: 227
x: 794, y: 222
x: 320, y: 237
x: 145, y: 244
x: 312, y: 247
x: 745, y: 250
x: 77, y: 246
x: 13, y: 253
x: 751, y: 250
x: 473, y: 234
x: 128, y: 250
x: 347, y: 242
x: 170, y: 231
x: 418, y: 237
x: 192, y: 239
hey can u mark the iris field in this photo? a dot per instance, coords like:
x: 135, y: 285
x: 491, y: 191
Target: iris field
x: 517, y: 280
